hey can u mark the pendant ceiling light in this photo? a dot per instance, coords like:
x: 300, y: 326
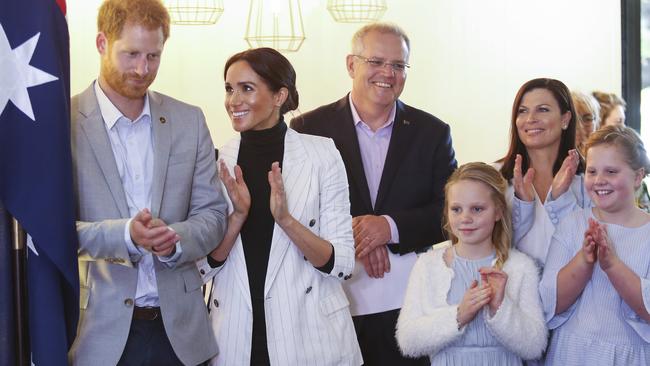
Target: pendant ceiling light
x: 194, y: 12
x: 356, y: 11
x: 276, y: 24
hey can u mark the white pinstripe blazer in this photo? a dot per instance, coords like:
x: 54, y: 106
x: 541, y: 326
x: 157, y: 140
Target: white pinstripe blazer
x: 308, y: 320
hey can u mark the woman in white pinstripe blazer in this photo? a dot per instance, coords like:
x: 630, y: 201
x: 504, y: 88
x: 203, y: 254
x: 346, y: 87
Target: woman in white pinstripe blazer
x: 277, y: 297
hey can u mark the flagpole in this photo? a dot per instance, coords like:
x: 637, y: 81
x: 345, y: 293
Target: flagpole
x: 20, y: 293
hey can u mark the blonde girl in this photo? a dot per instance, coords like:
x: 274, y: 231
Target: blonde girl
x: 595, y: 288
x: 473, y: 300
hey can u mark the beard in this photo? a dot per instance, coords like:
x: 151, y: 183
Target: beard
x: 119, y: 81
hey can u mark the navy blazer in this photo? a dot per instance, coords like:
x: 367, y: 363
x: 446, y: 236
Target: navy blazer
x: 420, y: 158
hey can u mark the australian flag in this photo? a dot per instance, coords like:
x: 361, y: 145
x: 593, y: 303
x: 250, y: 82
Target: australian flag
x: 36, y: 166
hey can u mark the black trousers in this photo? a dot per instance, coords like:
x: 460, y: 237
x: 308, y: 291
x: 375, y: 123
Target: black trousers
x: 148, y: 345
x: 376, y: 335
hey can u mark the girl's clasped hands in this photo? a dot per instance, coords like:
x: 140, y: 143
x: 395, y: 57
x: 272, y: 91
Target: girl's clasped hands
x: 597, y: 247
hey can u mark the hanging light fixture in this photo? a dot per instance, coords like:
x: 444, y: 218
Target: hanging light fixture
x: 356, y: 11
x: 276, y: 24
x: 194, y: 12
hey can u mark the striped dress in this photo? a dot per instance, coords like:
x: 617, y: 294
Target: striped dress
x: 599, y: 328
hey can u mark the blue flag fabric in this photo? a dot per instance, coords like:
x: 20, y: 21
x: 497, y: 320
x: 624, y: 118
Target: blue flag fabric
x: 36, y: 166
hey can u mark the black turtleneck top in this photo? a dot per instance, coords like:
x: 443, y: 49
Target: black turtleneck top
x: 257, y: 151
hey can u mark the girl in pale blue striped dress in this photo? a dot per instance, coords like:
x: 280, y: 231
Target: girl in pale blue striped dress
x: 473, y: 300
x: 596, y: 283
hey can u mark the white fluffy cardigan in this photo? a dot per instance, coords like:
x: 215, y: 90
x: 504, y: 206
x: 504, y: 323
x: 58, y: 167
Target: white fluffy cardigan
x: 427, y: 323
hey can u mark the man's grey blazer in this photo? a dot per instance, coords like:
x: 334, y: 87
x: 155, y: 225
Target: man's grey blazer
x: 185, y: 194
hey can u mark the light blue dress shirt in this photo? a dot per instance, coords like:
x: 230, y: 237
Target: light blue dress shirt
x: 132, y: 145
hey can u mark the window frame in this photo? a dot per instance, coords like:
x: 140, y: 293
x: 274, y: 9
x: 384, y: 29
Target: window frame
x: 631, y: 60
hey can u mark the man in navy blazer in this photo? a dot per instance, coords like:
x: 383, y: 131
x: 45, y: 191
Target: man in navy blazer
x: 398, y: 159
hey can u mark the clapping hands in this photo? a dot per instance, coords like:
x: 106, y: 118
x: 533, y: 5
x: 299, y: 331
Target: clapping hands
x: 278, y: 203
x: 523, y: 183
x: 589, y: 249
x: 496, y: 279
x: 490, y: 292
x: 597, y: 247
x: 153, y: 234
x: 474, y: 299
x: 237, y: 190
x: 564, y: 177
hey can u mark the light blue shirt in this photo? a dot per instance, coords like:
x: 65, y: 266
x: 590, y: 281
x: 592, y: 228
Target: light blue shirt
x: 373, y: 146
x: 132, y: 145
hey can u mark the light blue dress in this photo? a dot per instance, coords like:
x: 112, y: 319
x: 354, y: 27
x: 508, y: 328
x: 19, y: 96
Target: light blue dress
x: 477, y: 346
x: 599, y: 328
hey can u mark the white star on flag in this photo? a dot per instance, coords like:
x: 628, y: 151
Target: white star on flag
x: 16, y: 74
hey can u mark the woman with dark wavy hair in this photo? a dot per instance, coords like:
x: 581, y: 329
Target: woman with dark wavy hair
x: 542, y: 164
x: 277, y: 297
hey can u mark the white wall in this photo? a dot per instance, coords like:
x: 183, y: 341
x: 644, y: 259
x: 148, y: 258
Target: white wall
x: 468, y: 58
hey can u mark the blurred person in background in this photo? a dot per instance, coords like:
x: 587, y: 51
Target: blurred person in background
x: 588, y: 114
x: 612, y: 109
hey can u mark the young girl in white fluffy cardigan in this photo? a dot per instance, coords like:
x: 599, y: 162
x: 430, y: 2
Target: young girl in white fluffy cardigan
x: 474, y: 300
